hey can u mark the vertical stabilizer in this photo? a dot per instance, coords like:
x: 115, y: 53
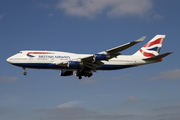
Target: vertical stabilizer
x: 152, y: 48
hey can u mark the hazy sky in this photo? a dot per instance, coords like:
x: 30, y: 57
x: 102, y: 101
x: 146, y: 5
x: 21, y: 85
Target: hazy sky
x: 149, y: 92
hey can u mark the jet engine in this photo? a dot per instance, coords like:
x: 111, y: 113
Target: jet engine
x: 101, y: 57
x: 74, y: 64
x: 65, y: 73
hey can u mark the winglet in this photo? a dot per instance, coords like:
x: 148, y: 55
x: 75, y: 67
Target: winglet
x: 158, y: 57
x: 140, y: 39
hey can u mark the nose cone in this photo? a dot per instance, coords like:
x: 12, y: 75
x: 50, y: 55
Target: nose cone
x: 8, y: 60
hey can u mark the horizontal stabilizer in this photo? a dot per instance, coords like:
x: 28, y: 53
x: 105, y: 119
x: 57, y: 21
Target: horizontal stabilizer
x: 158, y: 56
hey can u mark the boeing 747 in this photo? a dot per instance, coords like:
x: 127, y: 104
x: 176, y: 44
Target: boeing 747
x: 86, y: 64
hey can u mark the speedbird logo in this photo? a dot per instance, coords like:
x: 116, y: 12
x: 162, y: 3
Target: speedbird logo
x: 152, y: 48
x: 29, y: 53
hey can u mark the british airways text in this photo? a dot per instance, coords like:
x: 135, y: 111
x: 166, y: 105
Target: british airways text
x: 48, y: 56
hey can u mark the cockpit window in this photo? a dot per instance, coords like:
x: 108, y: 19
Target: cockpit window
x: 20, y: 52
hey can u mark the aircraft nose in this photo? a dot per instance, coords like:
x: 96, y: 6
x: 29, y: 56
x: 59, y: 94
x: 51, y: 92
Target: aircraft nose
x: 8, y: 60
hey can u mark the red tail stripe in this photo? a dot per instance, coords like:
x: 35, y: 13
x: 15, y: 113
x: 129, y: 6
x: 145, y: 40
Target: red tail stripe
x: 158, y: 41
x: 38, y: 53
x: 146, y: 54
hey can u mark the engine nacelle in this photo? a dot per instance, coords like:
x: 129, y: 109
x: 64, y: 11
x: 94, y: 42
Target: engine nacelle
x: 65, y: 73
x: 101, y: 57
x: 74, y: 64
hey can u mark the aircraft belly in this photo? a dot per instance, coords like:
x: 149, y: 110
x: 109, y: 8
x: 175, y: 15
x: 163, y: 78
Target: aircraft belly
x: 43, y: 66
x: 114, y: 67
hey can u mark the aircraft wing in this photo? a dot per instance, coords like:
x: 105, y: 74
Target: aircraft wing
x: 63, y: 64
x: 88, y: 62
x: 125, y: 46
x: 92, y: 63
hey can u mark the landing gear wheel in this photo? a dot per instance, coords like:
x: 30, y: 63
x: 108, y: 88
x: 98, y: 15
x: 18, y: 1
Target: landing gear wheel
x: 80, y: 77
x: 24, y: 73
x: 90, y: 74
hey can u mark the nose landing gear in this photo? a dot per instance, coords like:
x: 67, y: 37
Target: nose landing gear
x: 24, y: 73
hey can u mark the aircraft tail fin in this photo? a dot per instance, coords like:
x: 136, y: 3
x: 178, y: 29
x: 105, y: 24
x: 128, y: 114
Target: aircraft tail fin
x: 152, y: 48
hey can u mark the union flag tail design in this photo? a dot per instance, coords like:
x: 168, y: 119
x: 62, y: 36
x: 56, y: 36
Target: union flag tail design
x: 152, y: 48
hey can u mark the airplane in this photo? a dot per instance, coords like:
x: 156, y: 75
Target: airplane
x: 86, y: 64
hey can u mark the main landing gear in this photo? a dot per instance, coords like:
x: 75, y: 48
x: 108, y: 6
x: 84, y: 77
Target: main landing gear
x: 24, y: 73
x: 79, y: 74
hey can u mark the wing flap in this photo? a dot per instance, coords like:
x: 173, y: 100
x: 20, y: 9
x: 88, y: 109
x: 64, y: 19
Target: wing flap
x: 94, y: 65
x: 87, y: 59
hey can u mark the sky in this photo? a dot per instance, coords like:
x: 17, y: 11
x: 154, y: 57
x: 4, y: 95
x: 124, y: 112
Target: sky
x: 149, y: 92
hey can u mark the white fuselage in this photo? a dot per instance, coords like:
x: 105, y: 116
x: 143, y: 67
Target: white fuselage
x: 49, y: 60
x: 86, y: 64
